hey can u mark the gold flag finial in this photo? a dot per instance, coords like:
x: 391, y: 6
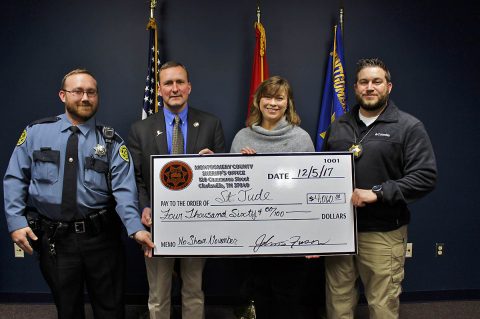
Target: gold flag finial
x: 153, y: 4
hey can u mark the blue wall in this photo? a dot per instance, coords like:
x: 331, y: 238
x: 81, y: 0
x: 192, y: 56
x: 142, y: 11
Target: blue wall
x: 432, y: 51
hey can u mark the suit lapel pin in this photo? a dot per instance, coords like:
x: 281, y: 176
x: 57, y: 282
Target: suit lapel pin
x: 159, y: 132
x: 196, y: 124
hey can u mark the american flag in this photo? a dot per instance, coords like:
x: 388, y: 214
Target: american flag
x: 151, y: 101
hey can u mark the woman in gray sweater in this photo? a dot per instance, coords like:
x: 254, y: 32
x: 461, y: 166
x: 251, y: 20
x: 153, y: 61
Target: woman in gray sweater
x: 272, y: 126
x: 275, y: 283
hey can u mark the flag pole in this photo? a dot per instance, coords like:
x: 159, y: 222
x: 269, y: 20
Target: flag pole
x: 153, y: 4
x: 258, y: 12
x: 261, y: 60
x: 341, y: 19
x: 151, y: 99
x: 334, y: 52
x: 153, y: 24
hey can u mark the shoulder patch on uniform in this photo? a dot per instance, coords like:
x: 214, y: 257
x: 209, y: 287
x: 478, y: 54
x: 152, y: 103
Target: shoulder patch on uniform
x: 124, y: 153
x: 22, y: 138
x: 51, y: 119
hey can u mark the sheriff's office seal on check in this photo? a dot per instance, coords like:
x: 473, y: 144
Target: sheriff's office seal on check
x: 176, y: 175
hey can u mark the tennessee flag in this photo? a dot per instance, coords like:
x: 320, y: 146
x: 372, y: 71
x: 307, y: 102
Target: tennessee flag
x: 334, y: 99
x: 260, y: 66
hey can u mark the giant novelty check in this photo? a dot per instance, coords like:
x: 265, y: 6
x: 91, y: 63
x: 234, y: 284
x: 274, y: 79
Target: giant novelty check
x: 248, y: 205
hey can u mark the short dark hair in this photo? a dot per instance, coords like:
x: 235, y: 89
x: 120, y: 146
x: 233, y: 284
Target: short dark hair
x: 73, y: 72
x: 372, y: 62
x: 173, y: 64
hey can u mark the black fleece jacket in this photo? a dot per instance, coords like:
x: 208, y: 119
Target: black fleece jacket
x: 397, y: 154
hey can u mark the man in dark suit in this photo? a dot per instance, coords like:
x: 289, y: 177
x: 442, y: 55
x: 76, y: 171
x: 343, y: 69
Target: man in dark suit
x: 178, y: 128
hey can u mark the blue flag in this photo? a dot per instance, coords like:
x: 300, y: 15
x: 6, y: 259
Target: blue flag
x: 334, y: 99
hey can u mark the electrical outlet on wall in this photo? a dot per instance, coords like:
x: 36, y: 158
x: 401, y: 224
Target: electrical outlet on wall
x: 19, y: 253
x: 439, y: 249
x: 409, y: 250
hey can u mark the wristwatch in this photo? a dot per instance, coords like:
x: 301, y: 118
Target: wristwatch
x: 378, y: 190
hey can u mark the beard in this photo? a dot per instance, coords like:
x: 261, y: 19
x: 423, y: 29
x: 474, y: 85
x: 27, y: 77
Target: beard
x: 374, y: 106
x: 81, y: 111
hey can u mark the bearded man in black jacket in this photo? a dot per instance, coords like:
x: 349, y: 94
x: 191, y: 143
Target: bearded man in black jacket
x: 394, y: 166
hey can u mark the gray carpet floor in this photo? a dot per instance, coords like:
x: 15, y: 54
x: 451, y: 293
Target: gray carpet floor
x: 411, y: 310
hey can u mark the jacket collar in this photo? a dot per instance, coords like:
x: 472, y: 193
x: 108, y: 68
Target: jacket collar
x: 389, y: 114
x: 85, y: 127
x: 159, y: 131
x: 194, y: 124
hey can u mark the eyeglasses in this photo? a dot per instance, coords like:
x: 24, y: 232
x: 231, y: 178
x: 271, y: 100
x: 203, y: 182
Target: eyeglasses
x: 80, y: 93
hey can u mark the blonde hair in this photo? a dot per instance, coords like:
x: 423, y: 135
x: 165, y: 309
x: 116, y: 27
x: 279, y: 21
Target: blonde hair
x: 271, y: 87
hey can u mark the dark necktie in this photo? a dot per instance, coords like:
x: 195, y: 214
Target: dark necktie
x: 177, y: 139
x: 69, y: 193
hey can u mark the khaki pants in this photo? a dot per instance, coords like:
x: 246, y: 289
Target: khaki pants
x: 379, y: 264
x: 159, y: 273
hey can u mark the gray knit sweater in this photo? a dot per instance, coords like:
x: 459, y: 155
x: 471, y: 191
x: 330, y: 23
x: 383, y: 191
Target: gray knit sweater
x: 283, y: 138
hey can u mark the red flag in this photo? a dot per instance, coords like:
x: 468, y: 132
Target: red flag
x: 260, y: 66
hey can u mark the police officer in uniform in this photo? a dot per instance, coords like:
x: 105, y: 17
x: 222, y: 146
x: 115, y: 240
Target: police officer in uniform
x: 69, y: 186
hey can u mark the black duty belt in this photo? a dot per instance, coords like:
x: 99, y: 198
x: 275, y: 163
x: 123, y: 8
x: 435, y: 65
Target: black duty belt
x: 93, y: 223
x: 96, y: 222
x: 77, y: 227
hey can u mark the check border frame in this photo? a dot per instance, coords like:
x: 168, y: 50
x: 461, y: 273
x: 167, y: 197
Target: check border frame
x: 181, y: 156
